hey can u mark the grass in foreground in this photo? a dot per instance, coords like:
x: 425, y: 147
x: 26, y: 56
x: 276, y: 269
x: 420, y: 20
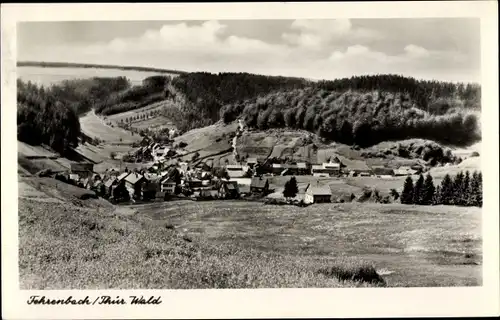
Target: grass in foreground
x: 62, y: 246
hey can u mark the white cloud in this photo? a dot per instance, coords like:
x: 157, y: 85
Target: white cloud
x: 416, y: 51
x: 318, y: 33
x: 312, y: 49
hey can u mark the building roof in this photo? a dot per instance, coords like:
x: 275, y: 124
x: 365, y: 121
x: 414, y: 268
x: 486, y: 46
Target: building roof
x: 236, y: 173
x: 317, y: 167
x: 244, y: 188
x: 258, y: 182
x: 383, y: 171
x: 252, y: 160
x: 82, y: 166
x: 357, y: 165
x: 279, y: 165
x: 331, y: 165
x: 123, y: 176
x: 108, y: 183
x: 234, y: 167
x: 319, y: 191
x: 301, y: 165
x: 133, y: 178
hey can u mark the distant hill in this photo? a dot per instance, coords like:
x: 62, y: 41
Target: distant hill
x: 369, y: 110
x: 88, y: 65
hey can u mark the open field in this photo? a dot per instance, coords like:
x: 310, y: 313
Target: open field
x: 410, y: 245
x: 156, y: 122
x: 89, y: 245
x: 95, y: 127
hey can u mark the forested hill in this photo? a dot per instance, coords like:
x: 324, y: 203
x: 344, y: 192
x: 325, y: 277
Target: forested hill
x: 205, y: 93
x: 368, y: 110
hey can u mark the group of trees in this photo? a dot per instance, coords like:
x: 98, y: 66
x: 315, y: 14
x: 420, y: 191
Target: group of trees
x: 426, y: 150
x: 432, y: 96
x: 46, y: 117
x: 205, y: 93
x: 130, y: 98
x: 355, y: 117
x: 462, y: 190
x: 142, y: 116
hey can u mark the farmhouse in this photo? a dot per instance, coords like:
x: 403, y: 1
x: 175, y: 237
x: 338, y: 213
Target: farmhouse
x: 382, y: 171
x: 326, y: 169
x: 404, y: 171
x: 278, y: 168
x: 228, y: 190
x: 259, y: 185
x: 134, y: 182
x: 235, y: 171
x: 251, y: 162
x: 318, y: 194
x: 83, y: 170
x: 358, y: 168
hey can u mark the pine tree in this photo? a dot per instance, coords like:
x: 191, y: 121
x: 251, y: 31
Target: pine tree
x: 446, y: 193
x: 418, y: 190
x: 436, y: 200
x: 464, y: 201
x: 407, y: 194
x: 479, y: 193
x: 291, y: 188
x: 457, y: 188
x: 428, y: 190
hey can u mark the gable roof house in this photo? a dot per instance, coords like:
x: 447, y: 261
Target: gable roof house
x: 134, y: 182
x: 82, y: 169
x: 259, y: 185
x: 318, y: 194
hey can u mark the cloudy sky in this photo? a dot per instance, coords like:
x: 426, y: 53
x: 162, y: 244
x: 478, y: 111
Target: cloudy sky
x: 444, y: 49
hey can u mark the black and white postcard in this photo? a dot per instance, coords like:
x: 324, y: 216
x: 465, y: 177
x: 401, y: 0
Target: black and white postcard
x: 250, y: 160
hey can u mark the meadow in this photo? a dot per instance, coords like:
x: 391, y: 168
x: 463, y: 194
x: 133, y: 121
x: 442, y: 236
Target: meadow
x: 410, y: 246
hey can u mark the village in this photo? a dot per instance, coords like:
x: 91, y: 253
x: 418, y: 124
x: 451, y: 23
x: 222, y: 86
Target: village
x: 168, y: 178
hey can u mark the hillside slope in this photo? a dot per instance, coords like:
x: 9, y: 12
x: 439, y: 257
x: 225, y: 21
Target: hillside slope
x: 86, y: 245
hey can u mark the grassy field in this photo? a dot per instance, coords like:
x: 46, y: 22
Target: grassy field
x: 83, y: 245
x: 409, y: 245
x: 95, y: 127
x: 156, y: 122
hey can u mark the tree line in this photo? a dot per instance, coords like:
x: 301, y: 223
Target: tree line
x: 432, y: 96
x: 355, y: 117
x: 461, y: 190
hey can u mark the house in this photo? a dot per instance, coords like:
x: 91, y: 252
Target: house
x: 84, y: 170
x: 74, y: 177
x: 302, y: 168
x: 318, y: 194
x: 278, y: 168
x: 122, y: 176
x: 244, y: 189
x: 251, y: 162
x: 134, y: 182
x: 149, y: 190
x: 259, y: 185
x: 326, y: 169
x: 236, y: 171
x: 228, y: 190
x: 167, y: 184
x: 382, y: 171
x: 404, y: 171
x: 357, y: 168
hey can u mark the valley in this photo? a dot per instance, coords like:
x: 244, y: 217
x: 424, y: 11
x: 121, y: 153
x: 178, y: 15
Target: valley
x: 184, y: 173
